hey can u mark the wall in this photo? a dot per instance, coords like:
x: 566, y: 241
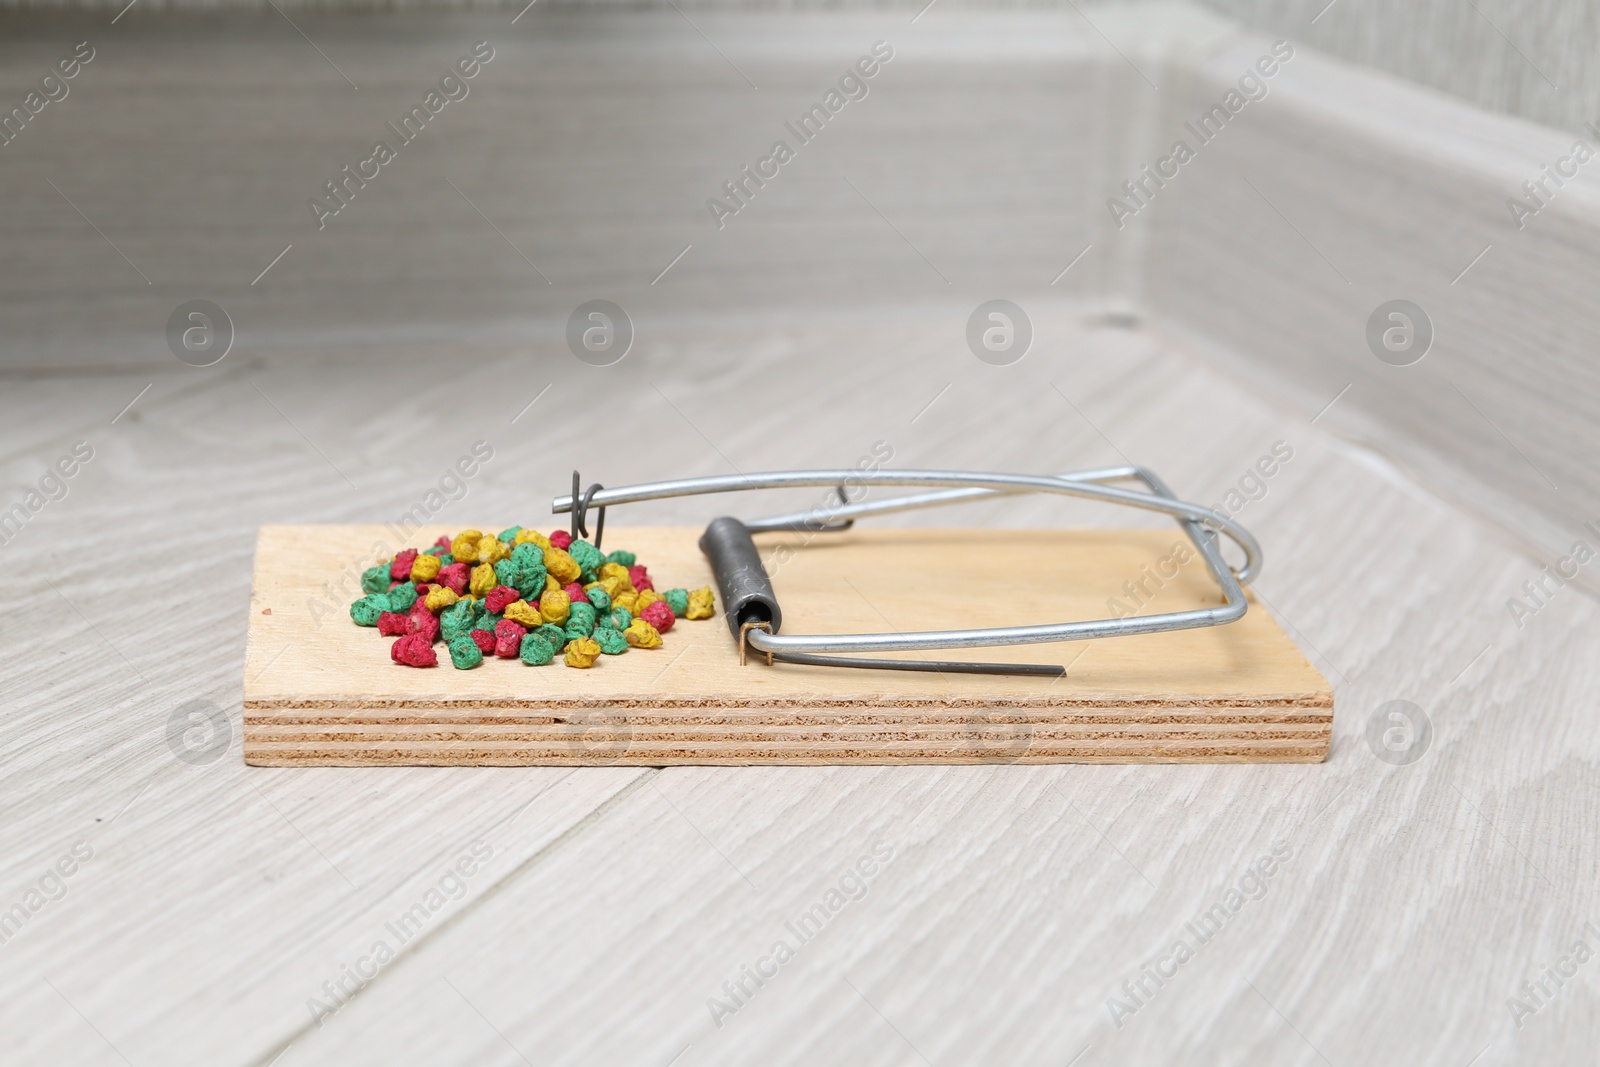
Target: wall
x: 1530, y: 58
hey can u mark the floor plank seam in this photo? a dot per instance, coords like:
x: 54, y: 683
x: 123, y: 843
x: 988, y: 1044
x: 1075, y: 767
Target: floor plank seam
x: 277, y: 1051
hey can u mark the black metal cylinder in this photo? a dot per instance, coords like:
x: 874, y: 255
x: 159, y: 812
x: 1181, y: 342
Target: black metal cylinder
x: 747, y: 594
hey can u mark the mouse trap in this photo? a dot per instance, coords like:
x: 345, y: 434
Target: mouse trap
x: 831, y: 643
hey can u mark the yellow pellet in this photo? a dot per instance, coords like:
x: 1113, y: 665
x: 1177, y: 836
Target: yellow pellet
x: 629, y: 600
x: 483, y: 579
x: 641, y: 634
x: 582, y: 652
x: 561, y: 566
x: 440, y: 597
x: 617, y: 571
x: 491, y: 550
x: 525, y: 613
x: 526, y: 536
x: 464, y: 547
x: 555, y: 606
x: 424, y: 568
x: 646, y: 597
x: 700, y: 603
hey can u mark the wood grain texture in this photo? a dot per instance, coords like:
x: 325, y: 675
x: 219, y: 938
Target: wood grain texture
x: 320, y: 691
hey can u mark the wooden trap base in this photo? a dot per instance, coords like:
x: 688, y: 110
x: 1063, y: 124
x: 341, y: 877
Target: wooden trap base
x: 321, y: 691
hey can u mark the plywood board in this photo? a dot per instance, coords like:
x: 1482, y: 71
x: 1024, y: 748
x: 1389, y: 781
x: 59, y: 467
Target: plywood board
x: 320, y: 690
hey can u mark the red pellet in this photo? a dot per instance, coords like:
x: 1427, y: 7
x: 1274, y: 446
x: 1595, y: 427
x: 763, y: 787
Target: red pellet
x: 455, y: 576
x: 508, y: 638
x: 484, y: 640
x: 498, y: 597
x: 394, y: 624
x: 639, y: 577
x: 423, y: 621
x: 659, y: 615
x: 561, y: 539
x: 443, y: 542
x: 422, y: 589
x: 414, y: 650
x: 576, y: 594
x: 400, y: 569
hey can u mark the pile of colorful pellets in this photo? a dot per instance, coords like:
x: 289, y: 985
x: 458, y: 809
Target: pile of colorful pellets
x: 519, y: 595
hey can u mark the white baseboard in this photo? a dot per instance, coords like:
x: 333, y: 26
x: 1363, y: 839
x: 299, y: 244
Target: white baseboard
x: 1343, y: 189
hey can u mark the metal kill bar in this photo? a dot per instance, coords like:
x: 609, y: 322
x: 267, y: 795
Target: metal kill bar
x: 969, y: 485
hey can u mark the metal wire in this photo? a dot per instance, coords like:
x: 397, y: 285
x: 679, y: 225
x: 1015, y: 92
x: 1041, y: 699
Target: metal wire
x: 1200, y: 524
x: 580, y: 512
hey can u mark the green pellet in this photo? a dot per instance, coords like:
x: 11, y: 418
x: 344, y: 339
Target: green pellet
x: 507, y: 573
x: 402, y: 597
x: 509, y: 534
x: 587, y: 557
x: 677, y: 600
x: 365, y: 611
x: 611, y: 642
x: 530, y: 583
x: 456, y: 621
x: 554, y: 635
x: 617, y: 619
x: 527, y: 570
x: 535, y: 650
x: 465, y: 654
x: 600, y: 599
x: 627, y: 559
x: 583, y: 616
x: 436, y: 550
x: 486, y: 621
x: 375, y: 579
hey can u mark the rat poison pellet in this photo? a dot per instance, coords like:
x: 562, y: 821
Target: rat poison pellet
x: 414, y: 650
x: 369, y: 609
x: 535, y: 651
x: 400, y: 568
x: 582, y: 652
x: 659, y: 615
x: 641, y: 634
x: 518, y: 594
x: 376, y: 579
x: 465, y: 653
x: 454, y: 576
x: 520, y: 611
x: 424, y: 568
x: 699, y: 604
x: 498, y: 597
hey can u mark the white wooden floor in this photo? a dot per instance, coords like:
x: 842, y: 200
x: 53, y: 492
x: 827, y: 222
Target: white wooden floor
x: 220, y: 907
